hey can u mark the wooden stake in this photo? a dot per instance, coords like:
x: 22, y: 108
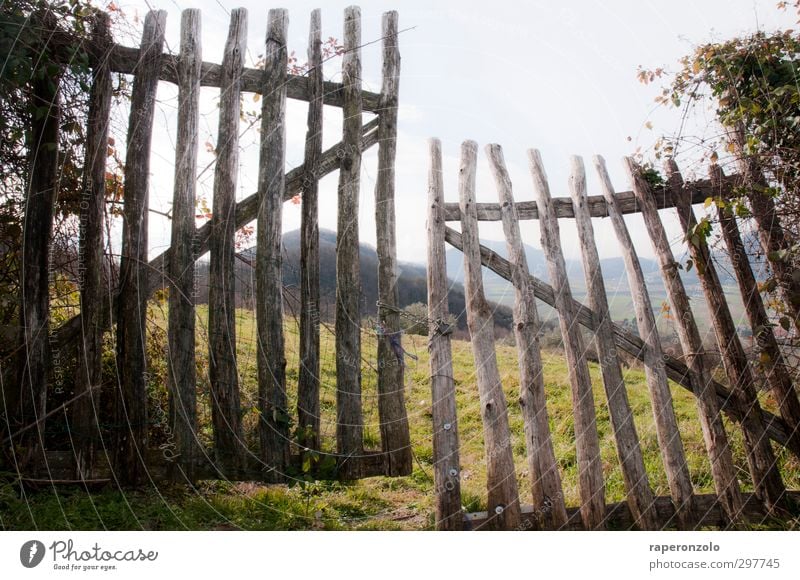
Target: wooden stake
x: 590, y: 466
x: 86, y: 409
x: 131, y: 408
x: 503, y: 500
x: 273, y: 427
x: 349, y: 419
x: 395, y: 437
x: 548, y: 496
x: 672, y: 451
x: 182, y: 373
x: 446, y: 468
x: 639, y: 494
x: 308, y: 409
x: 225, y: 402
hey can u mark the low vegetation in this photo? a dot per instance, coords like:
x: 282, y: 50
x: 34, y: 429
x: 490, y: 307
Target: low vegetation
x: 375, y: 503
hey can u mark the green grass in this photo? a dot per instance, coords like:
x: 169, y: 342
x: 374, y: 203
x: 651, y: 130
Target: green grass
x: 378, y: 503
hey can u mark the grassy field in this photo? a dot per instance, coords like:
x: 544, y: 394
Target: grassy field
x: 376, y: 503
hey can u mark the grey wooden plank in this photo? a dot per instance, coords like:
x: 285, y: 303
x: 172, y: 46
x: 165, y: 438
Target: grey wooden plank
x: 637, y: 486
x: 223, y: 370
x: 446, y: 467
x: 548, y: 494
x: 182, y: 367
x: 395, y: 435
x: 131, y: 404
x: 273, y: 425
x: 590, y: 466
x: 349, y: 418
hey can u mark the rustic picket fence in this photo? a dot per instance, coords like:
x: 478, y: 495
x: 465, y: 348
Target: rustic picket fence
x: 128, y: 457
x: 683, y: 508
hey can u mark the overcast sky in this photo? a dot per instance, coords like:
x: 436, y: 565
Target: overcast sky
x: 557, y: 76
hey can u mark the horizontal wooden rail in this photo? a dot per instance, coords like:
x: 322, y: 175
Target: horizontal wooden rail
x: 625, y: 340
x: 67, y: 335
x: 618, y: 515
x: 490, y: 212
x: 124, y: 59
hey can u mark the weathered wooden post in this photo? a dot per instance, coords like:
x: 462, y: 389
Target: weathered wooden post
x: 131, y: 407
x: 34, y: 355
x: 273, y: 426
x: 639, y: 494
x: 446, y: 467
x: 395, y: 437
x: 548, y: 496
x: 590, y: 467
x: 88, y: 380
x: 501, y: 480
x: 760, y: 458
x: 182, y: 369
x: 223, y: 372
x: 308, y: 406
x: 349, y: 420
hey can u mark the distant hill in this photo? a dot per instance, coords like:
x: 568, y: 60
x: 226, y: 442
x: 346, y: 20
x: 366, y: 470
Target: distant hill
x: 412, y: 283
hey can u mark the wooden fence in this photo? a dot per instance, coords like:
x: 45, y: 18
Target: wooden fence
x: 127, y: 456
x: 683, y: 508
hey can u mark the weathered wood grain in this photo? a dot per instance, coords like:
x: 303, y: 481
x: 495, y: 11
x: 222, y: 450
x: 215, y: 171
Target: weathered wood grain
x: 273, y: 426
x: 84, y: 412
x: 708, y: 406
x: 548, y: 495
x: 182, y: 365
x: 223, y: 371
x: 773, y: 363
x: 626, y: 203
x: 349, y: 418
x: 590, y: 466
x: 637, y: 486
x: 767, y: 480
x: 501, y: 479
x: 446, y: 465
x: 627, y: 341
x: 395, y: 436
x: 131, y: 404
x: 308, y: 382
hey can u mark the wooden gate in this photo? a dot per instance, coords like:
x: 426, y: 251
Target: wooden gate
x: 682, y: 508
x: 126, y: 452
